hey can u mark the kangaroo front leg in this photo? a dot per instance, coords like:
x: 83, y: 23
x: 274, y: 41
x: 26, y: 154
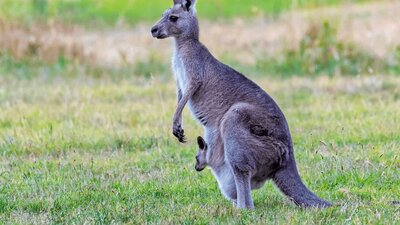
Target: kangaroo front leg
x: 179, y: 97
x: 243, y: 189
x: 177, y: 121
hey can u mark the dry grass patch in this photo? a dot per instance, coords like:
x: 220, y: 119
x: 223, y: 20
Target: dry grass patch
x: 370, y: 26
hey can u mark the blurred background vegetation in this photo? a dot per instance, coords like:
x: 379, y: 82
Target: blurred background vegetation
x: 134, y: 11
x: 59, y: 34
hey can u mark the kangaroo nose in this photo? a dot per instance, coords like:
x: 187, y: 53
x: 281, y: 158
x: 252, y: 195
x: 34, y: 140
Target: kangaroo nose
x: 154, y: 30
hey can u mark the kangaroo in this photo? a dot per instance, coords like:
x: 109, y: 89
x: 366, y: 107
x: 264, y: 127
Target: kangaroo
x: 247, y: 137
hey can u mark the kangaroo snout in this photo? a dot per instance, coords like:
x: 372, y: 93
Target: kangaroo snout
x: 156, y: 33
x: 198, y: 168
x: 199, y: 164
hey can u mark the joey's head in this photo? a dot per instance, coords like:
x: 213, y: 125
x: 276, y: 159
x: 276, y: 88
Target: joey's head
x: 180, y: 21
x: 201, y: 160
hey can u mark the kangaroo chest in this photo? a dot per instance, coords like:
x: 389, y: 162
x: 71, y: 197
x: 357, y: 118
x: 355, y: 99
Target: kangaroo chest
x: 179, y: 72
x: 182, y: 82
x: 204, y: 110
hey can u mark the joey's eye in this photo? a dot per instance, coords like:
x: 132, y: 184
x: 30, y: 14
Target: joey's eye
x: 173, y: 18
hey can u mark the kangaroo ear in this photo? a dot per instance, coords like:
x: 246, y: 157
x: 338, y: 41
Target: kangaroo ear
x: 189, y: 5
x: 202, y: 144
x: 178, y: 2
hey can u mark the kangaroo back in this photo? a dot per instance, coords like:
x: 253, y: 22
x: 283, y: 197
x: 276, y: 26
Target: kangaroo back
x: 289, y: 182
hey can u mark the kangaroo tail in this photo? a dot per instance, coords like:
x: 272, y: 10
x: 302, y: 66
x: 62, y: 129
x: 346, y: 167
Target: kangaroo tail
x: 289, y: 182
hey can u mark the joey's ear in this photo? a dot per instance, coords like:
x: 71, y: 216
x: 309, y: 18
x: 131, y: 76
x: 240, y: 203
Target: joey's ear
x: 202, y: 144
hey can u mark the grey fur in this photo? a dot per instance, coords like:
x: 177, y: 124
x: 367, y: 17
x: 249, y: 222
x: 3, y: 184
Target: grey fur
x: 247, y: 137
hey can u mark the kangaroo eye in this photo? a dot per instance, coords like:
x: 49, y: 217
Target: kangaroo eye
x: 173, y: 18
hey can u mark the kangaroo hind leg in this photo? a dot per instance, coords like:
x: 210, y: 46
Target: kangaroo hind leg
x: 242, y: 168
x: 235, y: 136
x: 243, y: 189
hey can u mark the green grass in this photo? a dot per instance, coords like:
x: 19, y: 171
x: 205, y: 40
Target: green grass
x: 133, y: 11
x: 81, y: 143
x: 98, y: 149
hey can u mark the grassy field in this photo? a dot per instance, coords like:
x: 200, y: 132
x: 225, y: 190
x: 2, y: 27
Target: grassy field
x: 100, y: 150
x: 133, y: 11
x: 86, y: 111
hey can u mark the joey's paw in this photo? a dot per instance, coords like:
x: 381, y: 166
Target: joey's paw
x: 179, y: 133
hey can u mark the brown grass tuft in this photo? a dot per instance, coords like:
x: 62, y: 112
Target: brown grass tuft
x: 45, y: 41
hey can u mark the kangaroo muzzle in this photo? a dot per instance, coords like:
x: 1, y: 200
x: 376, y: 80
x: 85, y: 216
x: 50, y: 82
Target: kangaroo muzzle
x: 198, y: 168
x: 157, y: 33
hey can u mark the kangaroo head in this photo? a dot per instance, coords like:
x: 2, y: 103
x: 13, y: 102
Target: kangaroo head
x: 201, y: 160
x: 180, y: 21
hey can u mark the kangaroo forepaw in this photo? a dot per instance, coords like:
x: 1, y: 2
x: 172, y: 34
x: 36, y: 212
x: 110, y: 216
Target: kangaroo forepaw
x: 179, y: 133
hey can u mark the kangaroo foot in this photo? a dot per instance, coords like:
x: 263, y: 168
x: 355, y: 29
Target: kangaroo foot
x: 179, y: 133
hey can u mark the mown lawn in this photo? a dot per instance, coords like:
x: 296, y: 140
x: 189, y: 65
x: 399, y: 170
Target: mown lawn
x: 100, y: 150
